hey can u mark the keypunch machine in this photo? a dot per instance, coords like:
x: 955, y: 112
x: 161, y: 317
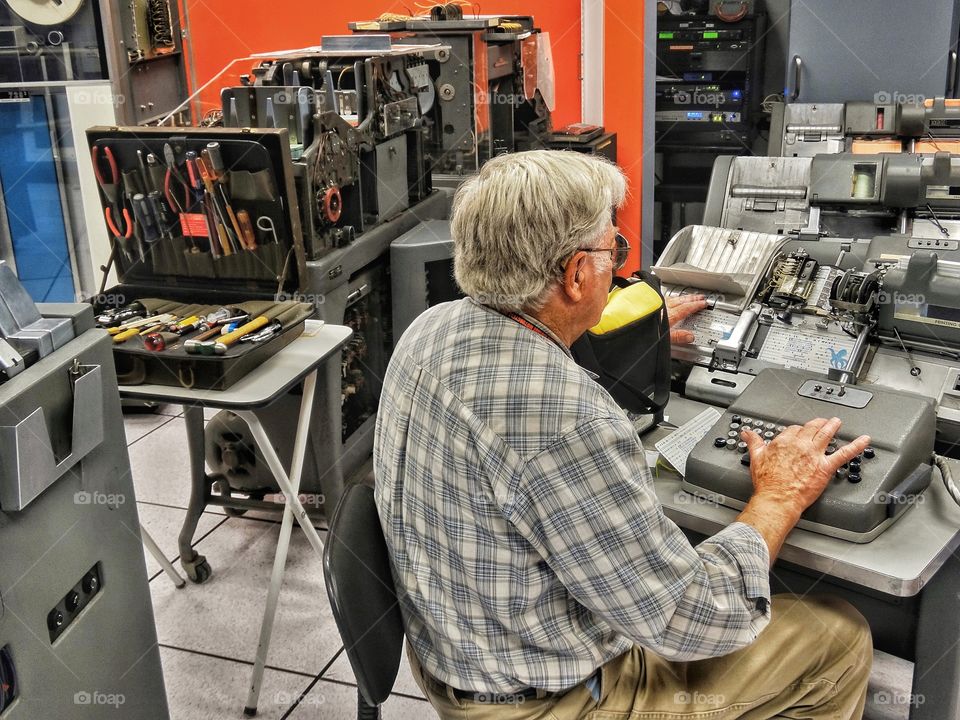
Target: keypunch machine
x: 77, y: 636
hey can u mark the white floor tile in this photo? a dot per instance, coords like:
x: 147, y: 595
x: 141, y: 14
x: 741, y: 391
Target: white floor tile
x: 138, y: 425
x: 204, y: 688
x: 163, y: 524
x: 341, y: 670
x: 223, y: 616
x: 331, y: 701
x: 161, y: 469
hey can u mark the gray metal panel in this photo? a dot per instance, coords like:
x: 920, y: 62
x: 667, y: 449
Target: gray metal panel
x: 106, y: 663
x: 862, y: 49
x: 431, y: 240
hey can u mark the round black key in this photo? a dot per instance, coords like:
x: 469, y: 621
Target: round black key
x: 854, y: 477
x: 770, y: 426
x: 731, y: 444
x: 735, y: 426
x: 736, y: 419
x: 855, y: 465
x: 745, y: 459
x: 758, y: 424
x: 829, y: 450
x: 781, y: 428
x: 719, y: 442
x: 733, y: 434
x: 768, y: 435
x: 869, y: 453
x: 742, y: 446
x: 747, y: 421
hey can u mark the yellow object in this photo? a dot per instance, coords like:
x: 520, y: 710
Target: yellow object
x: 126, y: 335
x: 255, y: 324
x: 626, y: 305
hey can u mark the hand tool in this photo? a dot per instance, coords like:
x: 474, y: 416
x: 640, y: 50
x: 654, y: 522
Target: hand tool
x: 159, y: 341
x: 186, y: 325
x: 193, y: 345
x: 197, y: 183
x: 116, y: 215
x: 145, y: 219
x: 142, y: 322
x: 265, y: 223
x: 144, y: 174
x: 161, y: 213
x: 116, y: 316
x: 126, y: 335
x: 247, y: 236
x: 220, y: 202
x: 266, y: 333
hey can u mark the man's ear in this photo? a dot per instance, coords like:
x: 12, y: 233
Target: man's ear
x: 573, y: 277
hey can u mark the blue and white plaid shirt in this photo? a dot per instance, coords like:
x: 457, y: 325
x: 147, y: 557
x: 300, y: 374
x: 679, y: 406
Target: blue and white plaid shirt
x: 528, y: 544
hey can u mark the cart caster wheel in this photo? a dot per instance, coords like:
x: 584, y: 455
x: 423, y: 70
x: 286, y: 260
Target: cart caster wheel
x: 198, y: 569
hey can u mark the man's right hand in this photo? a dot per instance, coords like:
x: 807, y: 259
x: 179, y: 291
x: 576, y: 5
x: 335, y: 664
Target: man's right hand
x: 790, y: 473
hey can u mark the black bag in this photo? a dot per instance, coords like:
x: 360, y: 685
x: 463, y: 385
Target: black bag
x: 629, y: 350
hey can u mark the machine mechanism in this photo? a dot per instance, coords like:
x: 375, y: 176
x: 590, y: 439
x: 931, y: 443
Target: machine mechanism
x: 354, y: 110
x: 491, y: 92
x: 843, y: 266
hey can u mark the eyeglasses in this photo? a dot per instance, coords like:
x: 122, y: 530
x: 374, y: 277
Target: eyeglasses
x: 618, y: 253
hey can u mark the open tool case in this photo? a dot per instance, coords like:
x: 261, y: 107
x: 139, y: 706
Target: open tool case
x: 167, y: 260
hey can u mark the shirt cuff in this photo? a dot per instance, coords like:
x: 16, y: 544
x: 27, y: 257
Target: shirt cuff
x: 750, y: 551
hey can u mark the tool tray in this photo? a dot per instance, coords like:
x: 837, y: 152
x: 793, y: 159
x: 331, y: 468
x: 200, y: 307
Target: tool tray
x: 181, y: 273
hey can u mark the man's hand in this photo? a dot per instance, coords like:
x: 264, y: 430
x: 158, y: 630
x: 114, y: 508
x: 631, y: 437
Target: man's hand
x: 679, y: 308
x: 790, y: 473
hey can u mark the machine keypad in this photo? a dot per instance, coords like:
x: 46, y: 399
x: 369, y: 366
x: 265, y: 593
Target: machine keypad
x: 768, y: 431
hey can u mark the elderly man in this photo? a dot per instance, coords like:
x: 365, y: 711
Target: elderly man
x: 537, y: 574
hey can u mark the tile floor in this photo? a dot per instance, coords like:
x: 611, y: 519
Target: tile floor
x: 208, y: 633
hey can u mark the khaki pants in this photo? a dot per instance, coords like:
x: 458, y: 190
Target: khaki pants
x: 812, y: 662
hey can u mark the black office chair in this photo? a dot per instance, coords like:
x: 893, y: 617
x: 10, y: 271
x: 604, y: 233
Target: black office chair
x: 363, y: 598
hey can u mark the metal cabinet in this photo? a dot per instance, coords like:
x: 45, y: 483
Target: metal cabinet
x: 867, y: 49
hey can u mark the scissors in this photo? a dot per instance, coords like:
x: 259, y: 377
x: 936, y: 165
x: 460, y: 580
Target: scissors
x: 110, y: 187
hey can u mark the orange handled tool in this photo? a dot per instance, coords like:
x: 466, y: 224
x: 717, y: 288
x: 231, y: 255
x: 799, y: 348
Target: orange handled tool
x: 229, y: 339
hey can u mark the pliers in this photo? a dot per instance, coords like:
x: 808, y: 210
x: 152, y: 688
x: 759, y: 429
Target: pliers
x: 115, y: 210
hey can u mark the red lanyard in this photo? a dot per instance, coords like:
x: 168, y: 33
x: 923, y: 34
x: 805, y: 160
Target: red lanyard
x: 530, y: 326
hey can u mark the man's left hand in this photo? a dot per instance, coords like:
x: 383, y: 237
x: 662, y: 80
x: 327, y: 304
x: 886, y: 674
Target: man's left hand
x: 679, y: 308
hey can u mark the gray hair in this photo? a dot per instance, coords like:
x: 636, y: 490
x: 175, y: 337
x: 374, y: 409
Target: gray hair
x: 517, y: 221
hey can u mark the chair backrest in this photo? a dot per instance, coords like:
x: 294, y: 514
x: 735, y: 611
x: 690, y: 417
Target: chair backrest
x: 362, y: 595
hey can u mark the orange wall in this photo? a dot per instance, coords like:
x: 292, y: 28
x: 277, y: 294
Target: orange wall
x: 623, y: 107
x: 223, y: 30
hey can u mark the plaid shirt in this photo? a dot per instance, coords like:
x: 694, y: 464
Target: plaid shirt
x: 528, y: 544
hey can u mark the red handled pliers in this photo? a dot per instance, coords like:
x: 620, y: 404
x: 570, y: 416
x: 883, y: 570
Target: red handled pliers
x: 110, y: 186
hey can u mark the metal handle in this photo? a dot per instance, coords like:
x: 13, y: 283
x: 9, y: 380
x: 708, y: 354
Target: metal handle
x: 357, y: 294
x: 797, y: 71
x: 951, y: 75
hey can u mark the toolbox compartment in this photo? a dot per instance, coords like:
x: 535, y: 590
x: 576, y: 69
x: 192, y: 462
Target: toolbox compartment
x: 182, y: 267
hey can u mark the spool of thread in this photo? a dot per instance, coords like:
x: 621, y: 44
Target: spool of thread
x: 863, y: 184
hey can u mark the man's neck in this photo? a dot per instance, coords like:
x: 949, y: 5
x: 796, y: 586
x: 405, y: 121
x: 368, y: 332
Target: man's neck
x: 557, y: 324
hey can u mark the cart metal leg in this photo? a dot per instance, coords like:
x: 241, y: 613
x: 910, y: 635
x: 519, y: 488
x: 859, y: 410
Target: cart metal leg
x: 293, y: 509
x: 151, y: 546
x: 194, y: 564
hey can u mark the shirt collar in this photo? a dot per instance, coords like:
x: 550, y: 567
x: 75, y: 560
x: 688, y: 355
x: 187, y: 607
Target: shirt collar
x: 533, y: 321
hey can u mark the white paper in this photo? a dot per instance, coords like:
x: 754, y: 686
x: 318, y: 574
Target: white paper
x: 677, y: 446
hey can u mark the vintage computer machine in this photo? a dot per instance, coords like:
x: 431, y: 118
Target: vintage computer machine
x: 77, y: 636
x: 353, y: 111
x: 493, y: 91
x: 808, y: 129
x: 835, y: 280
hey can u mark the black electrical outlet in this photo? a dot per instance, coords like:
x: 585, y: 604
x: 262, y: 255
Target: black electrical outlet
x: 8, y: 679
x: 73, y: 602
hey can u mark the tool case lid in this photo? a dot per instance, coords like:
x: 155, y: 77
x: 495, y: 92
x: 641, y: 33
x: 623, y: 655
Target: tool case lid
x: 271, y: 268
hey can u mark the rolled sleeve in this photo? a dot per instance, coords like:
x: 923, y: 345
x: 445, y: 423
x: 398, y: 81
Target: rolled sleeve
x: 587, y: 504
